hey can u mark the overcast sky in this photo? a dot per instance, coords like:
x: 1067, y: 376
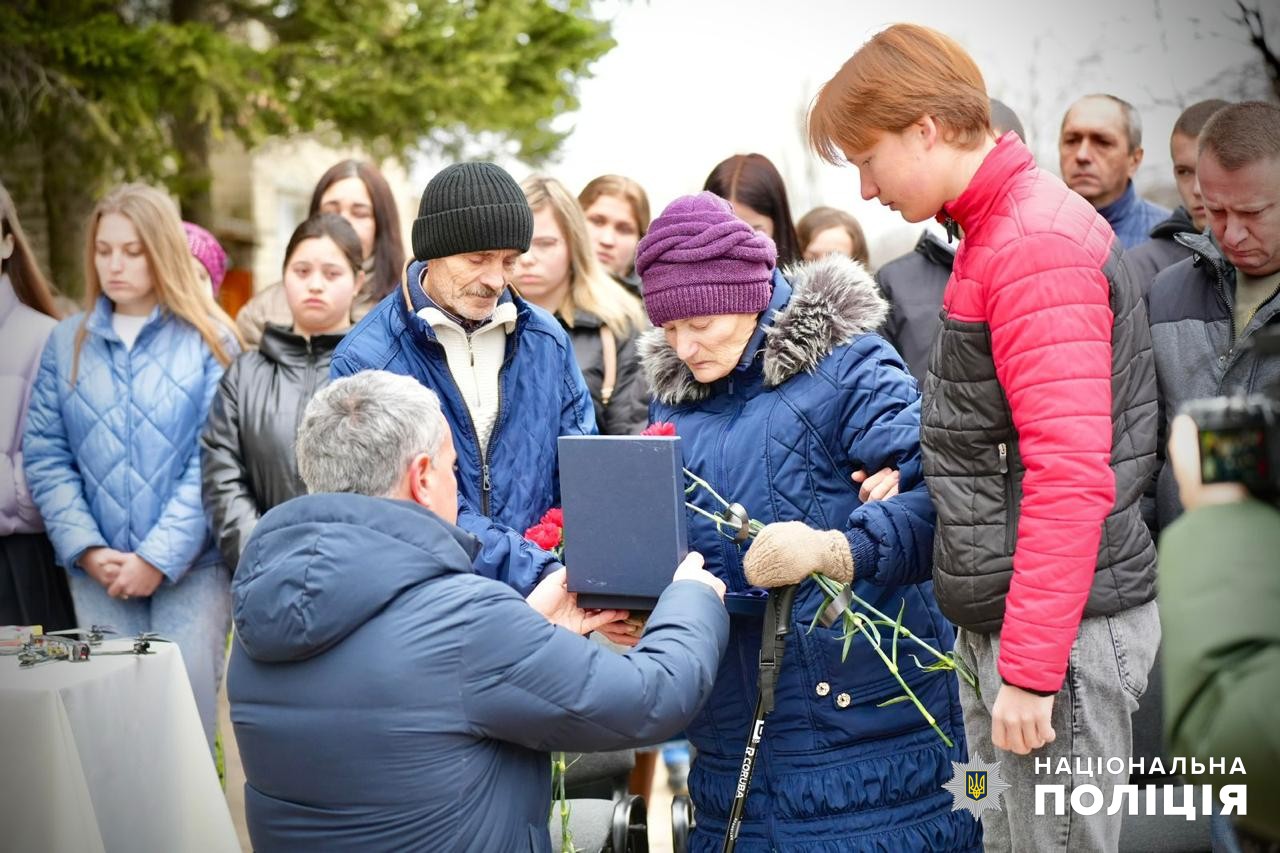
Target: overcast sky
x: 694, y: 81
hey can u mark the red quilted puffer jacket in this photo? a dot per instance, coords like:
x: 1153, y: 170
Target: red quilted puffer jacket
x: 1039, y: 420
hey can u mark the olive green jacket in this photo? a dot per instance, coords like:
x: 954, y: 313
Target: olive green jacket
x: 1219, y: 593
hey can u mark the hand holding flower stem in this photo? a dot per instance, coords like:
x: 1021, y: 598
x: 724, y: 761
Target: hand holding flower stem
x: 734, y: 523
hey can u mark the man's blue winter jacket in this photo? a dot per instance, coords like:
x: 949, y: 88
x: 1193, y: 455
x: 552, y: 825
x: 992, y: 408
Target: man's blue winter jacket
x: 542, y: 397
x: 386, y: 697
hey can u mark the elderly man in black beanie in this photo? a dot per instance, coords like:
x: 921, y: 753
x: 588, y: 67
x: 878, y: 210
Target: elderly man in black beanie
x: 504, y: 369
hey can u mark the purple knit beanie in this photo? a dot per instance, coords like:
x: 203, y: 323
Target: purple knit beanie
x: 698, y: 259
x: 206, y: 249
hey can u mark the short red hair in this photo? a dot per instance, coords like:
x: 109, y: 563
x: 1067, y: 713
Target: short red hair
x: 903, y: 73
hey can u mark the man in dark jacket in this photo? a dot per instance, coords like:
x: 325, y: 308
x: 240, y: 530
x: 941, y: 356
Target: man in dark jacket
x: 1205, y: 309
x: 1099, y: 151
x: 914, y: 282
x: 1145, y: 260
x: 504, y: 369
x: 384, y: 696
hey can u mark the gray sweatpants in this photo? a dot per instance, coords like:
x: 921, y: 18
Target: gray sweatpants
x: 1106, y: 675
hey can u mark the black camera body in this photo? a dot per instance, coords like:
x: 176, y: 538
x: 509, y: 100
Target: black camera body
x: 1239, y: 436
x: 1239, y: 442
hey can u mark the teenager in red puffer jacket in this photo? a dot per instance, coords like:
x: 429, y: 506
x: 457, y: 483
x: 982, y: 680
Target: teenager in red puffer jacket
x: 1038, y: 428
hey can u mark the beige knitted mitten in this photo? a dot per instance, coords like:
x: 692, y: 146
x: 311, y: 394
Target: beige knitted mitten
x: 785, y: 552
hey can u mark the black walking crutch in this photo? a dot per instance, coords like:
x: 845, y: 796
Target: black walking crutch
x: 773, y: 643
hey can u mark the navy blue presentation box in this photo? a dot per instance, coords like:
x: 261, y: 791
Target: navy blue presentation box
x: 625, y: 528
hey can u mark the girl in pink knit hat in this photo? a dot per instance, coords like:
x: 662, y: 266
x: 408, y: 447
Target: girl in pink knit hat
x: 209, y: 256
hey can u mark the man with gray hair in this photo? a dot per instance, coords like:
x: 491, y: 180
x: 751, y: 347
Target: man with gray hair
x: 1099, y: 151
x: 385, y: 696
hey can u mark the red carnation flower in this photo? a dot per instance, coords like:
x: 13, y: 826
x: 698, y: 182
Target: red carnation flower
x: 661, y: 428
x: 555, y: 516
x: 545, y: 536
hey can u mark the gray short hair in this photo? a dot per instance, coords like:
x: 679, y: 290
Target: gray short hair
x: 1240, y: 134
x: 360, y: 433
x: 1128, y: 112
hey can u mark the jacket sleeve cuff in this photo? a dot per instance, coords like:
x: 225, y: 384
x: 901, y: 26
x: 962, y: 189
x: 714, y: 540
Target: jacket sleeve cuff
x: 866, y: 556
x: 1003, y: 680
x: 1041, y: 679
x: 69, y: 551
x: 171, y: 574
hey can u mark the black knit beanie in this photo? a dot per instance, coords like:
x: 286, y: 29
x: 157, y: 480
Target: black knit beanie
x: 471, y: 207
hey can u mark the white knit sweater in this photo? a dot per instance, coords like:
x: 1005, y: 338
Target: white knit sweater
x: 475, y: 360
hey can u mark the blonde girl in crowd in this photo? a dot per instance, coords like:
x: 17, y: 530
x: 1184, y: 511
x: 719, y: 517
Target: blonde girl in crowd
x: 825, y: 230
x: 560, y: 273
x: 112, y: 437
x: 617, y: 213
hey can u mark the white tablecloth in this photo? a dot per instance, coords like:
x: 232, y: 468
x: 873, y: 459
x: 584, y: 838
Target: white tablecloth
x: 107, y: 755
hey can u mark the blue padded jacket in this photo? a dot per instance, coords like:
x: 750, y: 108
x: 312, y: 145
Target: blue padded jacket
x: 816, y: 397
x: 542, y: 396
x: 385, y: 697
x: 115, y: 460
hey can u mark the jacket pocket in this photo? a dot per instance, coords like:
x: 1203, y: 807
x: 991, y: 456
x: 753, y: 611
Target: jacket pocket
x: 846, y: 698
x: 1135, y: 637
x: 1010, y: 500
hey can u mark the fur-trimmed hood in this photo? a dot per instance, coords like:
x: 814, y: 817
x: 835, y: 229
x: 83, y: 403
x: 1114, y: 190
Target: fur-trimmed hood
x: 833, y: 300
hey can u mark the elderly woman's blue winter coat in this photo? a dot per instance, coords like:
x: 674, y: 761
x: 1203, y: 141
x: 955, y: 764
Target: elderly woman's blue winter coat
x: 815, y: 398
x: 115, y: 460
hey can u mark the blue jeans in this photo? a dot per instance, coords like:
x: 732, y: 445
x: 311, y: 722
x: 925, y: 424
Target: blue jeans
x: 195, y: 613
x: 1106, y: 676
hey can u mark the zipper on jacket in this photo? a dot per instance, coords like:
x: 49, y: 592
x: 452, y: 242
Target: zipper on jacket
x: 1231, y: 316
x: 1231, y: 348
x: 311, y: 370
x: 484, y: 461
x: 486, y: 488
x: 1010, y: 521
x: 732, y: 550
x: 486, y: 484
x: 484, y: 456
x: 308, y: 388
x: 952, y: 227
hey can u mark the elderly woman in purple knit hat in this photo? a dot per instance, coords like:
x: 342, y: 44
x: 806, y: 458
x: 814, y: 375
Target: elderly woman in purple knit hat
x: 785, y: 398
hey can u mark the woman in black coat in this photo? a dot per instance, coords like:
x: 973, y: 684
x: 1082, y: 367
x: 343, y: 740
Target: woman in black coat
x: 248, y: 462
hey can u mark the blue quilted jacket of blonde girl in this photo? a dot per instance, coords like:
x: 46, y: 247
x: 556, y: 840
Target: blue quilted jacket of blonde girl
x: 115, y: 459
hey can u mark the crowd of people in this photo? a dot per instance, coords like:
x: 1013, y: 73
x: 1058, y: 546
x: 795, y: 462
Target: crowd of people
x: 971, y: 435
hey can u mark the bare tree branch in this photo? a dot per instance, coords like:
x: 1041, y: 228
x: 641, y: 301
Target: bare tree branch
x: 1251, y: 19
